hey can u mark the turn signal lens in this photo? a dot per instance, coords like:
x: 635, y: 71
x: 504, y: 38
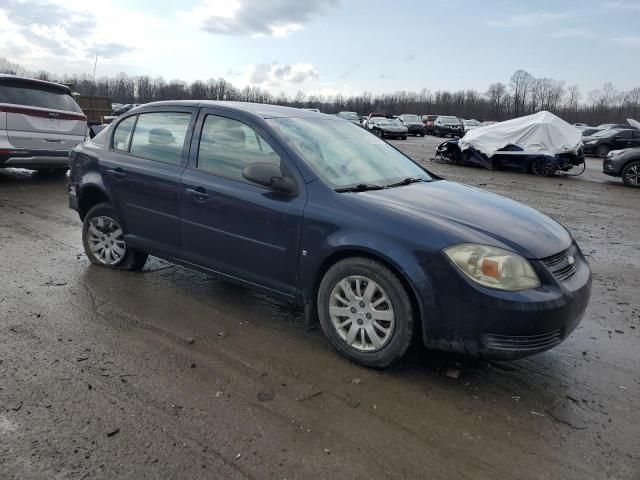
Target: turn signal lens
x: 494, y: 267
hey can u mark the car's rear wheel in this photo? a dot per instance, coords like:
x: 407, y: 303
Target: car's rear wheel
x: 602, y: 151
x: 365, y: 312
x: 631, y: 174
x: 543, y: 167
x: 103, y: 240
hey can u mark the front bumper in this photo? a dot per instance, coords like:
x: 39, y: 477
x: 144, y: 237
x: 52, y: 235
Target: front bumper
x: 394, y: 134
x: 452, y: 131
x: 609, y: 167
x: 416, y: 129
x: 21, y: 158
x: 475, y: 320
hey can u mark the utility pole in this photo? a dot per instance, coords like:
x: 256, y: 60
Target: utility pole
x: 93, y: 83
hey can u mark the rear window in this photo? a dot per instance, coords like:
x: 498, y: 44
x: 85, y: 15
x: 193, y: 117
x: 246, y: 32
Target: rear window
x: 32, y: 95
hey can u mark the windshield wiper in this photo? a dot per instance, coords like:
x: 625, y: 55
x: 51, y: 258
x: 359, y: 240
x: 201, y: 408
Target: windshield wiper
x: 361, y: 187
x: 406, y: 181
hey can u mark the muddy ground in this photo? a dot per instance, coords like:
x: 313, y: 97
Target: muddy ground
x: 172, y: 374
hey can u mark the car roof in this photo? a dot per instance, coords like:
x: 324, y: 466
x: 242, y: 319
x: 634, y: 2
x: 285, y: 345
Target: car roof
x: 259, y: 109
x: 35, y: 82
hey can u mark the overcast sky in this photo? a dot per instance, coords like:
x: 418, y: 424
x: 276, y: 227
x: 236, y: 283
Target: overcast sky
x: 331, y: 46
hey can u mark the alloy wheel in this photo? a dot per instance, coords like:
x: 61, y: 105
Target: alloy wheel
x: 362, y: 313
x: 632, y: 175
x: 106, y: 240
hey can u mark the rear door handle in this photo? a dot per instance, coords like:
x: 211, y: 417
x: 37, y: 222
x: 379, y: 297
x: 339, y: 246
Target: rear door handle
x: 199, y: 193
x: 117, y: 173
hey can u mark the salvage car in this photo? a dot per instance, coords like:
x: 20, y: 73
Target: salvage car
x: 625, y: 164
x: 413, y: 123
x: 40, y: 123
x: 444, y: 126
x: 471, y: 125
x: 601, y: 143
x: 389, y: 128
x: 542, y: 144
x: 350, y: 116
x: 312, y: 210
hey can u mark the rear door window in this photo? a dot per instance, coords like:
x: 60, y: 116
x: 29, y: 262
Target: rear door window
x: 122, y: 135
x: 228, y: 146
x: 160, y: 136
x: 28, y: 94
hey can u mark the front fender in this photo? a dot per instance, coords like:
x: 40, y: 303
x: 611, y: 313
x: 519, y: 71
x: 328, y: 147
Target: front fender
x: 341, y: 244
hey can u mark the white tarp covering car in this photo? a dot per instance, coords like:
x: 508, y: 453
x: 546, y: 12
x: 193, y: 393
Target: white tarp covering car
x: 542, y: 144
x: 541, y: 133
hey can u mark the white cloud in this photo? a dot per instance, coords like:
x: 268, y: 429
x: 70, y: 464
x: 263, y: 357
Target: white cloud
x: 570, y: 33
x: 532, y: 20
x: 628, y: 41
x: 255, y: 18
x: 622, y: 6
x: 274, y: 75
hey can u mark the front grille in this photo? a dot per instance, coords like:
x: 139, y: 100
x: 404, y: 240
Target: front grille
x: 563, y: 265
x: 522, y: 343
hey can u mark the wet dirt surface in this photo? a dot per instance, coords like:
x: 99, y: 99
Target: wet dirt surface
x: 172, y: 374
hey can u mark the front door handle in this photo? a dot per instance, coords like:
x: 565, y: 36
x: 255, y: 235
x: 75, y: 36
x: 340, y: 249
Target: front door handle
x: 117, y: 173
x: 199, y: 193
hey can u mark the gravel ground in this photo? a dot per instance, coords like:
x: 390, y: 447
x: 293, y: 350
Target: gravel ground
x: 173, y: 374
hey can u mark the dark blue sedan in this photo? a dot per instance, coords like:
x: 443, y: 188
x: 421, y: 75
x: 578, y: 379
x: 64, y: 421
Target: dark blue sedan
x: 312, y: 209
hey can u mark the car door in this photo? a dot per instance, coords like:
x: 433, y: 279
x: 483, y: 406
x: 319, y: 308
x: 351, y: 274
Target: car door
x: 142, y: 170
x: 623, y: 139
x: 230, y: 225
x: 635, y: 141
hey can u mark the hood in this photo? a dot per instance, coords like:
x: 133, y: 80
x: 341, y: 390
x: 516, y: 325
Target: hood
x: 393, y: 128
x: 468, y: 214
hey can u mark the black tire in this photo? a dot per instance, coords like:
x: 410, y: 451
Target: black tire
x: 404, y: 138
x: 400, y: 338
x: 602, y: 151
x: 132, y: 260
x: 422, y: 134
x: 542, y: 167
x: 631, y: 174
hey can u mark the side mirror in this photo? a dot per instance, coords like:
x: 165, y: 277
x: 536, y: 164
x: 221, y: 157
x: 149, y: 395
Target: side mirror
x: 269, y: 175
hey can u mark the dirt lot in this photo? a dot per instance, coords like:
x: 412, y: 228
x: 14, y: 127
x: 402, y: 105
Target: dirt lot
x: 172, y: 374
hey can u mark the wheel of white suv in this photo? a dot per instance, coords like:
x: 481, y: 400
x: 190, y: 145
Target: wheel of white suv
x: 365, y: 312
x: 103, y: 240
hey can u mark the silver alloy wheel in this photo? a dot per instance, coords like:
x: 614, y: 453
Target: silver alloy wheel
x: 632, y: 175
x: 106, y: 240
x: 362, y: 313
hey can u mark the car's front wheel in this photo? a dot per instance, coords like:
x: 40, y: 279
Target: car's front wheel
x: 631, y: 174
x: 103, y: 240
x: 365, y: 312
x: 602, y: 151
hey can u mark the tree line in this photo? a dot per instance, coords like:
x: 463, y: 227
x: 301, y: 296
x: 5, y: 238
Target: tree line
x: 522, y: 95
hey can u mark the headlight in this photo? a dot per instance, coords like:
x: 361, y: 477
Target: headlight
x: 493, y: 267
x: 592, y: 142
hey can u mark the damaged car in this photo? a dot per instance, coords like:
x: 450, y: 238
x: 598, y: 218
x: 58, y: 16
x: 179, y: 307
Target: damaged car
x: 542, y: 144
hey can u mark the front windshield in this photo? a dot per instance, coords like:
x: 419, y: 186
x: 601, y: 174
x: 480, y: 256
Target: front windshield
x: 450, y: 120
x: 389, y: 121
x: 411, y: 118
x: 345, y: 155
x: 472, y: 123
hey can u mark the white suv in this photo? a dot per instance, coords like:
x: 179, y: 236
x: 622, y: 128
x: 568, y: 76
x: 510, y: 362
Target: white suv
x: 40, y: 123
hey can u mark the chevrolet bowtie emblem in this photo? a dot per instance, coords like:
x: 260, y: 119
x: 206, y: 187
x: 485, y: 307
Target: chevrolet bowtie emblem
x: 571, y: 260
